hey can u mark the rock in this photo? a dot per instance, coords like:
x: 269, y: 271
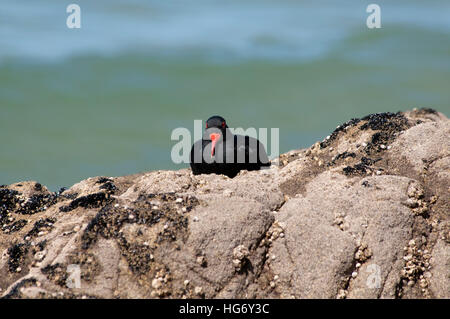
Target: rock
x: 362, y: 214
x: 240, y: 253
x: 198, y: 291
x: 439, y: 276
x: 39, y: 256
x: 156, y: 283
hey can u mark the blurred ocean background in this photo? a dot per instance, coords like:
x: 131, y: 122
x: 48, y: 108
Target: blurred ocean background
x: 104, y: 99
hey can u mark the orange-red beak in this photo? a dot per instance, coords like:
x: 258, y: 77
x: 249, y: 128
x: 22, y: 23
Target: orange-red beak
x: 214, y: 138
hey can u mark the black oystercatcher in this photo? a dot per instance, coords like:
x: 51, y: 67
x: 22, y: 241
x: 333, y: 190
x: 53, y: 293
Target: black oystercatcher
x: 221, y: 152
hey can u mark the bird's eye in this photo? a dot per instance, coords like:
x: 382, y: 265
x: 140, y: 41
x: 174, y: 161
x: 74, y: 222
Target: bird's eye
x: 223, y: 124
x: 206, y: 125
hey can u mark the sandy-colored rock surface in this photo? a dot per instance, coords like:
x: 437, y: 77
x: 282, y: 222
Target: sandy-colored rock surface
x: 363, y: 214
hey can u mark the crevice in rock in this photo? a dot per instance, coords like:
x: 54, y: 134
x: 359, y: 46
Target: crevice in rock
x: 416, y: 265
x: 361, y: 254
x: 15, y: 291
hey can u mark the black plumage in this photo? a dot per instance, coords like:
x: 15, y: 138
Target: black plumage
x: 221, y: 152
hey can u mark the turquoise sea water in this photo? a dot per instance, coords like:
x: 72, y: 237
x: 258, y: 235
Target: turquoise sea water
x: 104, y: 99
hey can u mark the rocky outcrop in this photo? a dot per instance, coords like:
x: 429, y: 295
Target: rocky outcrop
x: 362, y: 214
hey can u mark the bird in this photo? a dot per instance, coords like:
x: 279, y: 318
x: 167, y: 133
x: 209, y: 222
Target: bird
x: 222, y: 152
